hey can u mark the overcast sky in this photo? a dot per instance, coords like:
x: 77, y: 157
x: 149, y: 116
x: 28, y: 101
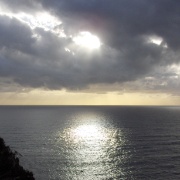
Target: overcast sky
x: 94, y: 47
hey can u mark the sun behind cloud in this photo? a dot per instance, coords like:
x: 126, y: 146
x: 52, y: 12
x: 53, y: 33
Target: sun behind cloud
x: 87, y: 40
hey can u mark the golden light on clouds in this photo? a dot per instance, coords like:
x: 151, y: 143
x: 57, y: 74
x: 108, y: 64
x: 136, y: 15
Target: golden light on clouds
x: 42, y: 97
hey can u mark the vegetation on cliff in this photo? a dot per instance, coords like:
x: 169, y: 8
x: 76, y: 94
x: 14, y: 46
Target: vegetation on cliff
x: 9, y: 165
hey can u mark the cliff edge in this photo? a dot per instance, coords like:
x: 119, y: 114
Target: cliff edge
x: 9, y: 165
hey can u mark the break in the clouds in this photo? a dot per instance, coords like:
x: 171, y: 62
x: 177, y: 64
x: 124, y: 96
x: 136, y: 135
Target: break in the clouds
x: 49, y: 44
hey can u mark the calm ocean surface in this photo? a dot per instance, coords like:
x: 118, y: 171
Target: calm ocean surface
x: 94, y: 143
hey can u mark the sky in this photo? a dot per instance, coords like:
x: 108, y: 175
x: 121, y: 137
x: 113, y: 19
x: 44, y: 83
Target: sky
x: 89, y: 52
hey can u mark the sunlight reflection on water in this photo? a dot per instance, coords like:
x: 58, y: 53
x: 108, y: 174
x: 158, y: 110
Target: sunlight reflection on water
x: 92, y: 151
x: 101, y: 143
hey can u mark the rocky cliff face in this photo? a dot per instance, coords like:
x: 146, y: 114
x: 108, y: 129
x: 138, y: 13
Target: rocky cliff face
x: 9, y: 165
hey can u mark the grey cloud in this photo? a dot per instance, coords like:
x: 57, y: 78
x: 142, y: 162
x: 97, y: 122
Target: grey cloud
x: 122, y: 18
x: 15, y: 35
x: 122, y: 26
x: 29, y: 6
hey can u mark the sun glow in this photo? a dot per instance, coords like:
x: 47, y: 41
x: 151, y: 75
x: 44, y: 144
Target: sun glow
x: 88, y: 40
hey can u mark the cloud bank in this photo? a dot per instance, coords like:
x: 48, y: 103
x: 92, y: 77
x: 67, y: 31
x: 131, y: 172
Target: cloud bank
x: 139, y: 51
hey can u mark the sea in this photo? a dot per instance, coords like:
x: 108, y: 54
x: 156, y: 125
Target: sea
x: 94, y: 142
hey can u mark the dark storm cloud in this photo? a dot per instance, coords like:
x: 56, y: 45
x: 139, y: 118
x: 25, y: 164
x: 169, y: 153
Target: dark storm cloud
x: 37, y: 58
x: 15, y: 35
x: 126, y: 18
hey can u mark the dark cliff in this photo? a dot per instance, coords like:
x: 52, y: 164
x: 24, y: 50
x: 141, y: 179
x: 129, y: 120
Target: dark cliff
x: 10, y: 168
